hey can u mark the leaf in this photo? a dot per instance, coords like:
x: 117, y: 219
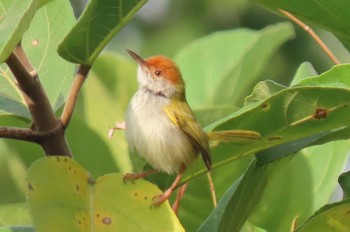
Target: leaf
x: 17, y: 229
x: 40, y: 43
x: 63, y: 196
x: 218, y: 68
x: 332, y: 217
x: 100, y: 21
x: 101, y: 159
x: 263, y: 90
x: 304, y: 184
x: 198, y: 195
x: 14, y: 214
x: 15, y: 18
x: 344, y: 181
x: 240, y: 199
x: 296, y: 113
x: 331, y: 15
x: 305, y: 70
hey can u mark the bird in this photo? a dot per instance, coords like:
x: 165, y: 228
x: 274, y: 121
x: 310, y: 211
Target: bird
x: 160, y: 126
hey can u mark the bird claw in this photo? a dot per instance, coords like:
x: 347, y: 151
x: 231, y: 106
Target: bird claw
x: 132, y: 177
x: 159, y: 199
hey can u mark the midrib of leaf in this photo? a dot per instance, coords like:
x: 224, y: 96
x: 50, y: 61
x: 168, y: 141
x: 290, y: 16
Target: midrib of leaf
x: 3, y: 8
x: 48, y: 39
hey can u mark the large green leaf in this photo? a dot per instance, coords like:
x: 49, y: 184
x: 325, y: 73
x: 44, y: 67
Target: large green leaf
x: 333, y: 217
x: 304, y: 184
x: 332, y: 15
x: 16, y: 16
x: 220, y: 69
x: 100, y: 21
x: 297, y: 113
x: 40, y: 42
x: 62, y: 195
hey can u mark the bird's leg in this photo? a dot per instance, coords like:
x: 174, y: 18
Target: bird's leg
x: 134, y: 176
x: 180, y: 194
x: 117, y: 126
x: 159, y: 199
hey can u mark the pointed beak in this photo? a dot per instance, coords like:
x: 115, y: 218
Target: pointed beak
x: 138, y: 59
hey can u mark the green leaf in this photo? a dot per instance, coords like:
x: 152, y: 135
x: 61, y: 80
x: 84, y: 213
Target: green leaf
x: 17, y: 229
x: 62, y: 195
x: 331, y: 15
x: 40, y: 42
x: 14, y: 214
x: 344, y: 181
x: 263, y: 90
x: 220, y: 68
x: 240, y: 199
x: 113, y: 80
x: 332, y: 217
x: 100, y: 21
x: 304, y: 184
x: 296, y: 113
x: 105, y: 163
x: 15, y: 18
x: 305, y: 70
x: 198, y: 195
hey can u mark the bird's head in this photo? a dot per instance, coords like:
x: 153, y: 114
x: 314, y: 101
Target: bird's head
x: 160, y: 75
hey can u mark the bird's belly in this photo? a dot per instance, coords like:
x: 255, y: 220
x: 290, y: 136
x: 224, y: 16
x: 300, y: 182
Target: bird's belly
x: 151, y: 134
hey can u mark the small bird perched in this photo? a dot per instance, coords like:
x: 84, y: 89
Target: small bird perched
x: 160, y: 125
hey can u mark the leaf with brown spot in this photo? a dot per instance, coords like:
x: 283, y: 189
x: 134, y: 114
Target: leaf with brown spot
x: 68, y: 200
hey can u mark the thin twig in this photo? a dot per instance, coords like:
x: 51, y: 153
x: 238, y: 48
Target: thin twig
x: 80, y: 77
x: 312, y: 34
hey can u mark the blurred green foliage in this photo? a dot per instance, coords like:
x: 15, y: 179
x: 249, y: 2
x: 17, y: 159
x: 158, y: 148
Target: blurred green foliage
x: 296, y: 185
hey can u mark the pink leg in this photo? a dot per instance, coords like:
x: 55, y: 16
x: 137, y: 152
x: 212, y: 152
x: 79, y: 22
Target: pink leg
x: 159, y: 199
x: 180, y: 194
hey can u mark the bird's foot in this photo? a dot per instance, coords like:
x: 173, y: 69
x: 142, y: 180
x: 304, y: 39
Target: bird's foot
x: 134, y: 176
x: 159, y: 199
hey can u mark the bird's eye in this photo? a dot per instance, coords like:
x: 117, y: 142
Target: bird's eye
x: 158, y: 73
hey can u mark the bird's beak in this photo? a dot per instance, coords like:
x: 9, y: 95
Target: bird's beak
x: 138, y: 59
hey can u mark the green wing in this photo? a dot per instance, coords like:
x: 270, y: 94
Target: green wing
x: 182, y: 116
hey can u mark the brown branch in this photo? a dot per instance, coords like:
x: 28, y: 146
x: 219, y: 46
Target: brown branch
x: 312, y: 34
x: 17, y: 133
x: 80, y: 77
x: 43, y: 116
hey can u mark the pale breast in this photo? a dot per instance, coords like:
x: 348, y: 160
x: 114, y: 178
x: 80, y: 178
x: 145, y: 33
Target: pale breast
x: 151, y: 134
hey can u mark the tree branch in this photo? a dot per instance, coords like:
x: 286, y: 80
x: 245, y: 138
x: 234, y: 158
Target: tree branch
x: 312, y: 34
x: 43, y: 116
x: 17, y: 133
x: 80, y: 77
